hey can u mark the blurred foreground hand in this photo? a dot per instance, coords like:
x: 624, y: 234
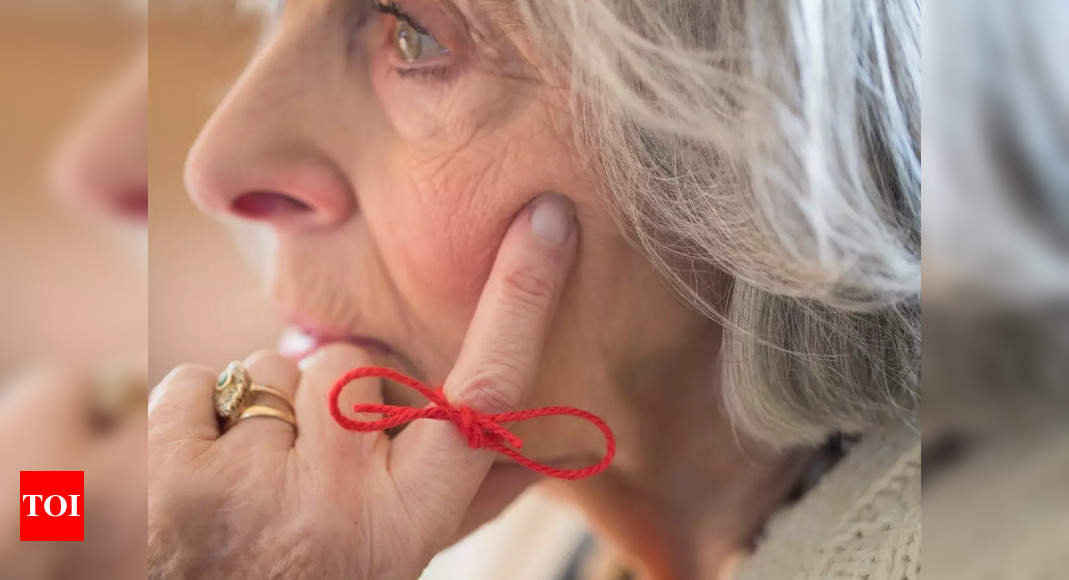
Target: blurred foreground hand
x: 57, y: 419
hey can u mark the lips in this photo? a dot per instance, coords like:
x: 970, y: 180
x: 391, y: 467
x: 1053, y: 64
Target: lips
x: 298, y: 342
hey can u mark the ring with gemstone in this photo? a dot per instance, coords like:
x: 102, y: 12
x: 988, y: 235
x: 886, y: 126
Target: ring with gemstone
x: 234, y: 390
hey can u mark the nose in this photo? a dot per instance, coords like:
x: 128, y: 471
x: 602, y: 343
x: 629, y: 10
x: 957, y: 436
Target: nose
x: 102, y: 163
x: 264, y: 154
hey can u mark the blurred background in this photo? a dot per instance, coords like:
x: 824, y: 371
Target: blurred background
x: 73, y: 276
x: 74, y: 288
x: 206, y: 306
x: 76, y: 282
x: 996, y: 289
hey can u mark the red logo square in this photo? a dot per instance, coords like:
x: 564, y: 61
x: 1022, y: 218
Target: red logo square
x: 51, y: 506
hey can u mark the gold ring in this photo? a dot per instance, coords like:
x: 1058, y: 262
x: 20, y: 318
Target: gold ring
x: 233, y: 390
x: 264, y: 411
x: 269, y: 390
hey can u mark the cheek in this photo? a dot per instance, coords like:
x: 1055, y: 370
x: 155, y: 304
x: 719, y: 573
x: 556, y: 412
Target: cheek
x: 439, y: 228
x: 436, y: 224
x: 445, y: 185
x: 457, y: 206
x: 446, y: 255
x: 447, y: 206
x: 455, y: 214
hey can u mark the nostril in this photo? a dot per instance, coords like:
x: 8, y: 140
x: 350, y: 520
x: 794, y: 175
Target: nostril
x: 132, y: 203
x: 266, y: 205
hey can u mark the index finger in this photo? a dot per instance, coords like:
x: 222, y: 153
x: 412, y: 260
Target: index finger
x: 501, y: 354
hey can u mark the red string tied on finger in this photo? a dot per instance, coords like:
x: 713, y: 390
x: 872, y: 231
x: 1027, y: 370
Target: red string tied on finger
x: 481, y: 430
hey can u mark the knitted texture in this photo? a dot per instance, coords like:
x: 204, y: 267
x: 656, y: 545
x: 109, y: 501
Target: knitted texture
x: 481, y: 430
x: 861, y: 522
x: 880, y: 538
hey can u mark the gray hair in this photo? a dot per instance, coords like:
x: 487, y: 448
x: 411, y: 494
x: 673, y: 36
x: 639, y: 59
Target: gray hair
x: 765, y: 156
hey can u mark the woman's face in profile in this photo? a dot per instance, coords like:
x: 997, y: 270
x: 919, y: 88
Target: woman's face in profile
x: 389, y: 146
x: 101, y: 165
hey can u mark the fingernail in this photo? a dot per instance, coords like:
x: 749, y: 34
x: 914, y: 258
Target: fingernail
x: 552, y: 219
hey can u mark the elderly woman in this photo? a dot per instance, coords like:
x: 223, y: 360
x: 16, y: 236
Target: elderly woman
x: 697, y: 220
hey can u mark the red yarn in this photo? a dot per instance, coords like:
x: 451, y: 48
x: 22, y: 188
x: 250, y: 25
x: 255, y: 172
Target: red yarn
x: 482, y: 430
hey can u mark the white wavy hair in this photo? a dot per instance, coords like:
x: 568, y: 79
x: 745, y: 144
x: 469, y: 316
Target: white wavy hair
x: 765, y: 155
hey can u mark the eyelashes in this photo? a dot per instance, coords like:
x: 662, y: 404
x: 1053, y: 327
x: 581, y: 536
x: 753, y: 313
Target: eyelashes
x: 394, y: 10
x: 419, y: 52
x: 424, y: 72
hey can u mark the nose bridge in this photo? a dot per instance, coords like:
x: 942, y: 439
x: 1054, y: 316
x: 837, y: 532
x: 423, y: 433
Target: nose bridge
x: 262, y: 109
x: 270, y: 133
x: 296, y: 74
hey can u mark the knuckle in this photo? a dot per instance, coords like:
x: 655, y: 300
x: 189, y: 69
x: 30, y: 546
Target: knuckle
x: 528, y: 289
x: 261, y: 356
x: 269, y: 367
x: 162, y: 398
x: 493, y: 390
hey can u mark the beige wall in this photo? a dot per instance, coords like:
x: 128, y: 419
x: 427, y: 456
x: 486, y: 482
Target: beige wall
x: 206, y: 303
x: 68, y: 289
x: 71, y: 287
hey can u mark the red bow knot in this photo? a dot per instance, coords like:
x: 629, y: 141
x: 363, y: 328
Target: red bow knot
x: 481, y: 430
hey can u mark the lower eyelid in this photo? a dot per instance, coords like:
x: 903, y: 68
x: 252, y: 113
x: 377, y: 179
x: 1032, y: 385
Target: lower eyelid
x: 428, y: 72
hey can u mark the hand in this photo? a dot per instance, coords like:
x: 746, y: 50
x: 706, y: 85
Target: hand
x: 265, y: 500
x: 54, y: 419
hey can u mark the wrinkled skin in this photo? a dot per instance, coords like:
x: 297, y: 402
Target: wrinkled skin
x: 109, y: 454
x: 388, y: 186
x: 389, y: 194
x: 261, y: 499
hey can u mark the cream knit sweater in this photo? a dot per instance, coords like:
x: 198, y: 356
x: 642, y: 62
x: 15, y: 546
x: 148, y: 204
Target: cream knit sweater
x: 861, y: 521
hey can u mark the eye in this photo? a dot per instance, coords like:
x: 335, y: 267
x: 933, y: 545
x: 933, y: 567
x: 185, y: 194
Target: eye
x: 414, y: 45
x: 412, y: 41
